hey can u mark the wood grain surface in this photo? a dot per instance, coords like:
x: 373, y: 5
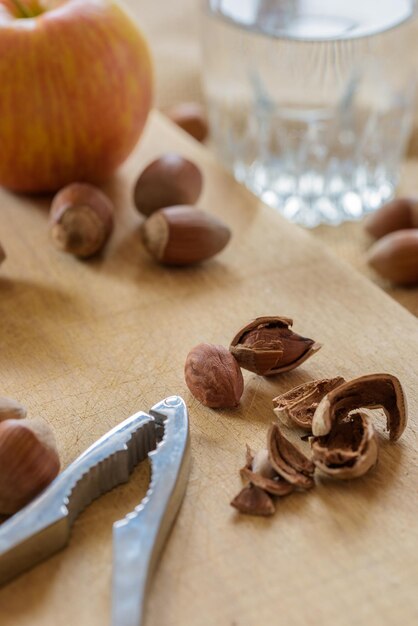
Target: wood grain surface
x: 85, y: 344
x: 174, y: 36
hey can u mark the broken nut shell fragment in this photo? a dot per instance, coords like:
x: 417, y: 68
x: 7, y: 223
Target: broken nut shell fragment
x: 11, y: 410
x: 267, y: 346
x: 297, y: 406
x: 259, y: 471
x: 373, y: 391
x: 350, y: 449
x: 288, y: 461
x: 253, y: 500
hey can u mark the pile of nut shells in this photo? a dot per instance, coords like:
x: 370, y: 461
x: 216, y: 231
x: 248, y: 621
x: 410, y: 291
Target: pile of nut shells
x: 266, y: 346
x: 343, y: 440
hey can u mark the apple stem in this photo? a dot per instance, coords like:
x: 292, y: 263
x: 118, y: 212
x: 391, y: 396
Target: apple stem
x: 24, y: 11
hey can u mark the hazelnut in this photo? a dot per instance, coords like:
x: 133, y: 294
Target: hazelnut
x: 81, y: 219
x: 2, y: 254
x: 168, y: 181
x: 191, y: 117
x: 395, y: 257
x: 11, y: 410
x: 28, y: 462
x: 213, y: 376
x: 398, y: 214
x: 267, y: 346
x: 183, y: 235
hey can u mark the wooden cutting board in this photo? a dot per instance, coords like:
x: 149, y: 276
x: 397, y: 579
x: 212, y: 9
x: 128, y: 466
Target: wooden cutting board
x: 85, y: 344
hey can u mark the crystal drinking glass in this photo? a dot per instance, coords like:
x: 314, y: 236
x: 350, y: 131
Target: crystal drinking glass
x: 311, y: 102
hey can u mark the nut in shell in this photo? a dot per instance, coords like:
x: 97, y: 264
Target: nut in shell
x: 267, y: 346
x: 395, y: 257
x: 170, y: 180
x: 81, y: 219
x: 350, y: 449
x: 28, y: 462
x: 398, y: 214
x: 213, y: 376
x: 183, y: 235
x: 191, y: 117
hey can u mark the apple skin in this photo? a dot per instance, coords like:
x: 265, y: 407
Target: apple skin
x: 75, y: 92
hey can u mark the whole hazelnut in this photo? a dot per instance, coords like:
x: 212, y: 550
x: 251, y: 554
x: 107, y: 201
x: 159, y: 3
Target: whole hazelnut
x: 168, y: 181
x: 213, y: 376
x: 395, y: 257
x: 28, y: 462
x: 190, y: 117
x: 398, y: 214
x: 2, y: 254
x: 183, y: 235
x: 11, y: 409
x: 81, y: 219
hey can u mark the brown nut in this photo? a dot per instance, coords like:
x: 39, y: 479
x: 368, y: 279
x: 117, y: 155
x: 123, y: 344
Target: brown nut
x: 213, y: 376
x: 183, y: 235
x: 395, y: 257
x: 170, y: 180
x: 259, y: 471
x: 297, y: 406
x: 349, y: 450
x: 253, y: 500
x: 373, y: 391
x: 11, y: 410
x: 28, y: 462
x: 2, y: 254
x: 267, y: 346
x: 398, y: 214
x: 191, y: 117
x: 288, y: 461
x: 81, y: 219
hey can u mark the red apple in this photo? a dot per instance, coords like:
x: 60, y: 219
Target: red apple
x: 75, y: 91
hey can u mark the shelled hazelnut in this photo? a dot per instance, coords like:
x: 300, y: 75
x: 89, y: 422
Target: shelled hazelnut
x: 213, y: 376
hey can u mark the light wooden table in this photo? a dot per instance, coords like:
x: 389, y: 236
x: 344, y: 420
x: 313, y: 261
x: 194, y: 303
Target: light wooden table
x: 85, y: 344
x: 174, y: 37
